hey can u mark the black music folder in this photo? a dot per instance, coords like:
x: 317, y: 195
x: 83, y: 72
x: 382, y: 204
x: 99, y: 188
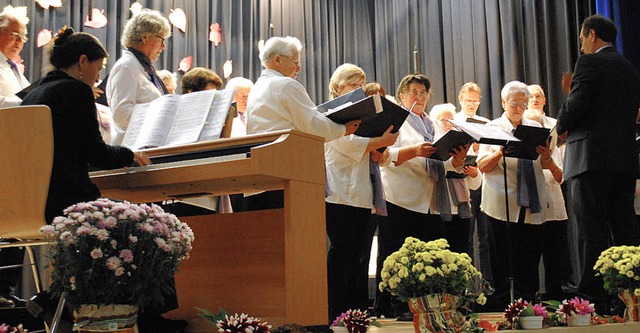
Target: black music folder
x: 530, y: 138
x: 22, y: 93
x: 450, y: 140
x: 350, y: 97
x: 392, y: 114
x: 363, y: 109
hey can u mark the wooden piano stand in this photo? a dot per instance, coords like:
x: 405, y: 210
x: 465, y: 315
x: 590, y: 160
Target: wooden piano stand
x: 269, y: 264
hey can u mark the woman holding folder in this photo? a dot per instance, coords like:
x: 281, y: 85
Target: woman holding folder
x: 351, y: 161
x: 408, y: 183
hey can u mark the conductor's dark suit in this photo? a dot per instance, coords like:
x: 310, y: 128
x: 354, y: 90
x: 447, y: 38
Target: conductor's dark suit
x: 601, y: 162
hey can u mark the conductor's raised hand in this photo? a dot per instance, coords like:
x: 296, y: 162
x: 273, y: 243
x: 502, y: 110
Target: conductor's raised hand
x: 566, y: 82
x: 352, y: 126
x: 424, y: 149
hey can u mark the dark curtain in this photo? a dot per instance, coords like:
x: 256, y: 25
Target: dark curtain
x: 452, y: 41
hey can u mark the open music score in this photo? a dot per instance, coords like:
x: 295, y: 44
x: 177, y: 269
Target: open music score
x: 271, y: 264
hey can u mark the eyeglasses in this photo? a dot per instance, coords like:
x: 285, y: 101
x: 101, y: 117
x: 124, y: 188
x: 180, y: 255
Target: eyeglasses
x: 472, y: 102
x: 297, y: 63
x: 161, y: 39
x: 18, y: 36
x: 419, y: 94
x: 520, y: 105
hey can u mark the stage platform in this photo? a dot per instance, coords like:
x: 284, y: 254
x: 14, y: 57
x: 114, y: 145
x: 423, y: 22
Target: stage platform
x: 390, y: 325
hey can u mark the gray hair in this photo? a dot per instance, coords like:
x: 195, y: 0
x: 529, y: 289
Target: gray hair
x: 534, y: 87
x: 279, y: 45
x: 147, y: 22
x: 239, y: 82
x: 164, y: 74
x: 514, y: 87
x: 6, y: 18
x: 439, y: 109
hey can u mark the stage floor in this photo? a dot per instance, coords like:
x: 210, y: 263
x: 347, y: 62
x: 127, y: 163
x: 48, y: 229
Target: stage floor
x: 390, y: 325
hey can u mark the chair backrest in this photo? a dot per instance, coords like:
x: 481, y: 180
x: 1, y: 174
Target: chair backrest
x: 26, y: 158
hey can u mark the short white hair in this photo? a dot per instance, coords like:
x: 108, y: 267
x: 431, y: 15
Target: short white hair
x: 514, y: 87
x: 534, y: 87
x: 438, y: 109
x: 164, y: 74
x: 146, y: 22
x: 239, y: 82
x: 279, y: 45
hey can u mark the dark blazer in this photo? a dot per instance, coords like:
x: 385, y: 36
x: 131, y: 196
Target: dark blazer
x: 600, y: 115
x: 77, y: 141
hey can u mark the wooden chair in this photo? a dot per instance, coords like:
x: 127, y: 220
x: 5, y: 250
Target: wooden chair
x: 26, y: 157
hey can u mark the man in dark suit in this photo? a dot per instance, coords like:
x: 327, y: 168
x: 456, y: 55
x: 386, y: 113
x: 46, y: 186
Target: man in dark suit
x: 601, y: 163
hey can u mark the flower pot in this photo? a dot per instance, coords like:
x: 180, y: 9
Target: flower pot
x: 339, y: 329
x: 436, y: 313
x: 106, y: 318
x: 531, y: 323
x: 631, y: 313
x: 579, y: 320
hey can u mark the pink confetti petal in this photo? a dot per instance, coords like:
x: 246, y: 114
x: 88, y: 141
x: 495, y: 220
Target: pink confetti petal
x: 97, y: 21
x: 185, y: 64
x: 215, y: 35
x: 44, y: 36
x: 178, y: 18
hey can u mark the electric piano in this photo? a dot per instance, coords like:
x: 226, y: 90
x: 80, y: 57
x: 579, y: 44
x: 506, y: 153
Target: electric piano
x: 270, y: 264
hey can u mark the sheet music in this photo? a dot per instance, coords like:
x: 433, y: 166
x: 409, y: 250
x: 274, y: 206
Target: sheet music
x: 482, y: 132
x: 159, y: 118
x: 191, y: 119
x: 217, y: 115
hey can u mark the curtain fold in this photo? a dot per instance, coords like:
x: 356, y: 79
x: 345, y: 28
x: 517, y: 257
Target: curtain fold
x: 490, y: 42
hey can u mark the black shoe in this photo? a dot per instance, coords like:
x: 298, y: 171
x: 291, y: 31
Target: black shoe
x: 17, y: 301
x: 407, y: 316
x: 43, y: 307
x: 6, y: 303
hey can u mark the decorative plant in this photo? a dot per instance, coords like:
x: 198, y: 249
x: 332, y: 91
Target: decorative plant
x: 619, y: 267
x: 110, y: 252
x: 422, y: 268
x: 242, y: 323
x: 355, y: 321
x: 575, y: 306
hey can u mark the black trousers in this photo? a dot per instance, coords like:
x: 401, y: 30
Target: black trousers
x: 478, y: 222
x: 556, y: 259
x: 392, y: 231
x: 516, y: 252
x: 602, y: 206
x: 457, y: 234
x: 350, y: 232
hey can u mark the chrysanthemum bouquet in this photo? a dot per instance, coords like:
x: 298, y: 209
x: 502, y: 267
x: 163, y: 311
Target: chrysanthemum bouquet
x: 619, y: 267
x: 116, y: 252
x: 355, y: 321
x: 422, y: 268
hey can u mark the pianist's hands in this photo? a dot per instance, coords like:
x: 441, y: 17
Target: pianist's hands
x: 141, y: 158
x: 352, y: 127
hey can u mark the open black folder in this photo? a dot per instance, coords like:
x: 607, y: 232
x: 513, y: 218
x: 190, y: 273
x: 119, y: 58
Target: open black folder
x: 377, y: 113
x: 521, y: 144
x: 450, y: 140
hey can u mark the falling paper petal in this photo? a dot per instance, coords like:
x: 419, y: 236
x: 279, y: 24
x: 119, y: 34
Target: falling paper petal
x: 178, y: 19
x: 49, y: 3
x: 215, y: 34
x: 185, y: 64
x: 260, y: 45
x: 227, y: 68
x: 135, y: 8
x: 98, y: 20
x: 44, y: 36
x: 19, y: 12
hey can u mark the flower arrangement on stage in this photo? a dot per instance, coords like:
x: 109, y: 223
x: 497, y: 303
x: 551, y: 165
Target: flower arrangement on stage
x: 423, y: 268
x: 575, y: 306
x: 242, y: 323
x: 619, y: 267
x: 4, y: 328
x: 517, y: 311
x: 355, y: 321
x: 110, y: 252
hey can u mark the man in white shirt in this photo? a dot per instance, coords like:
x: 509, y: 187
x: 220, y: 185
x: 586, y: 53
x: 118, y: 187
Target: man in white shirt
x: 279, y: 102
x: 243, y: 88
x: 13, y: 35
